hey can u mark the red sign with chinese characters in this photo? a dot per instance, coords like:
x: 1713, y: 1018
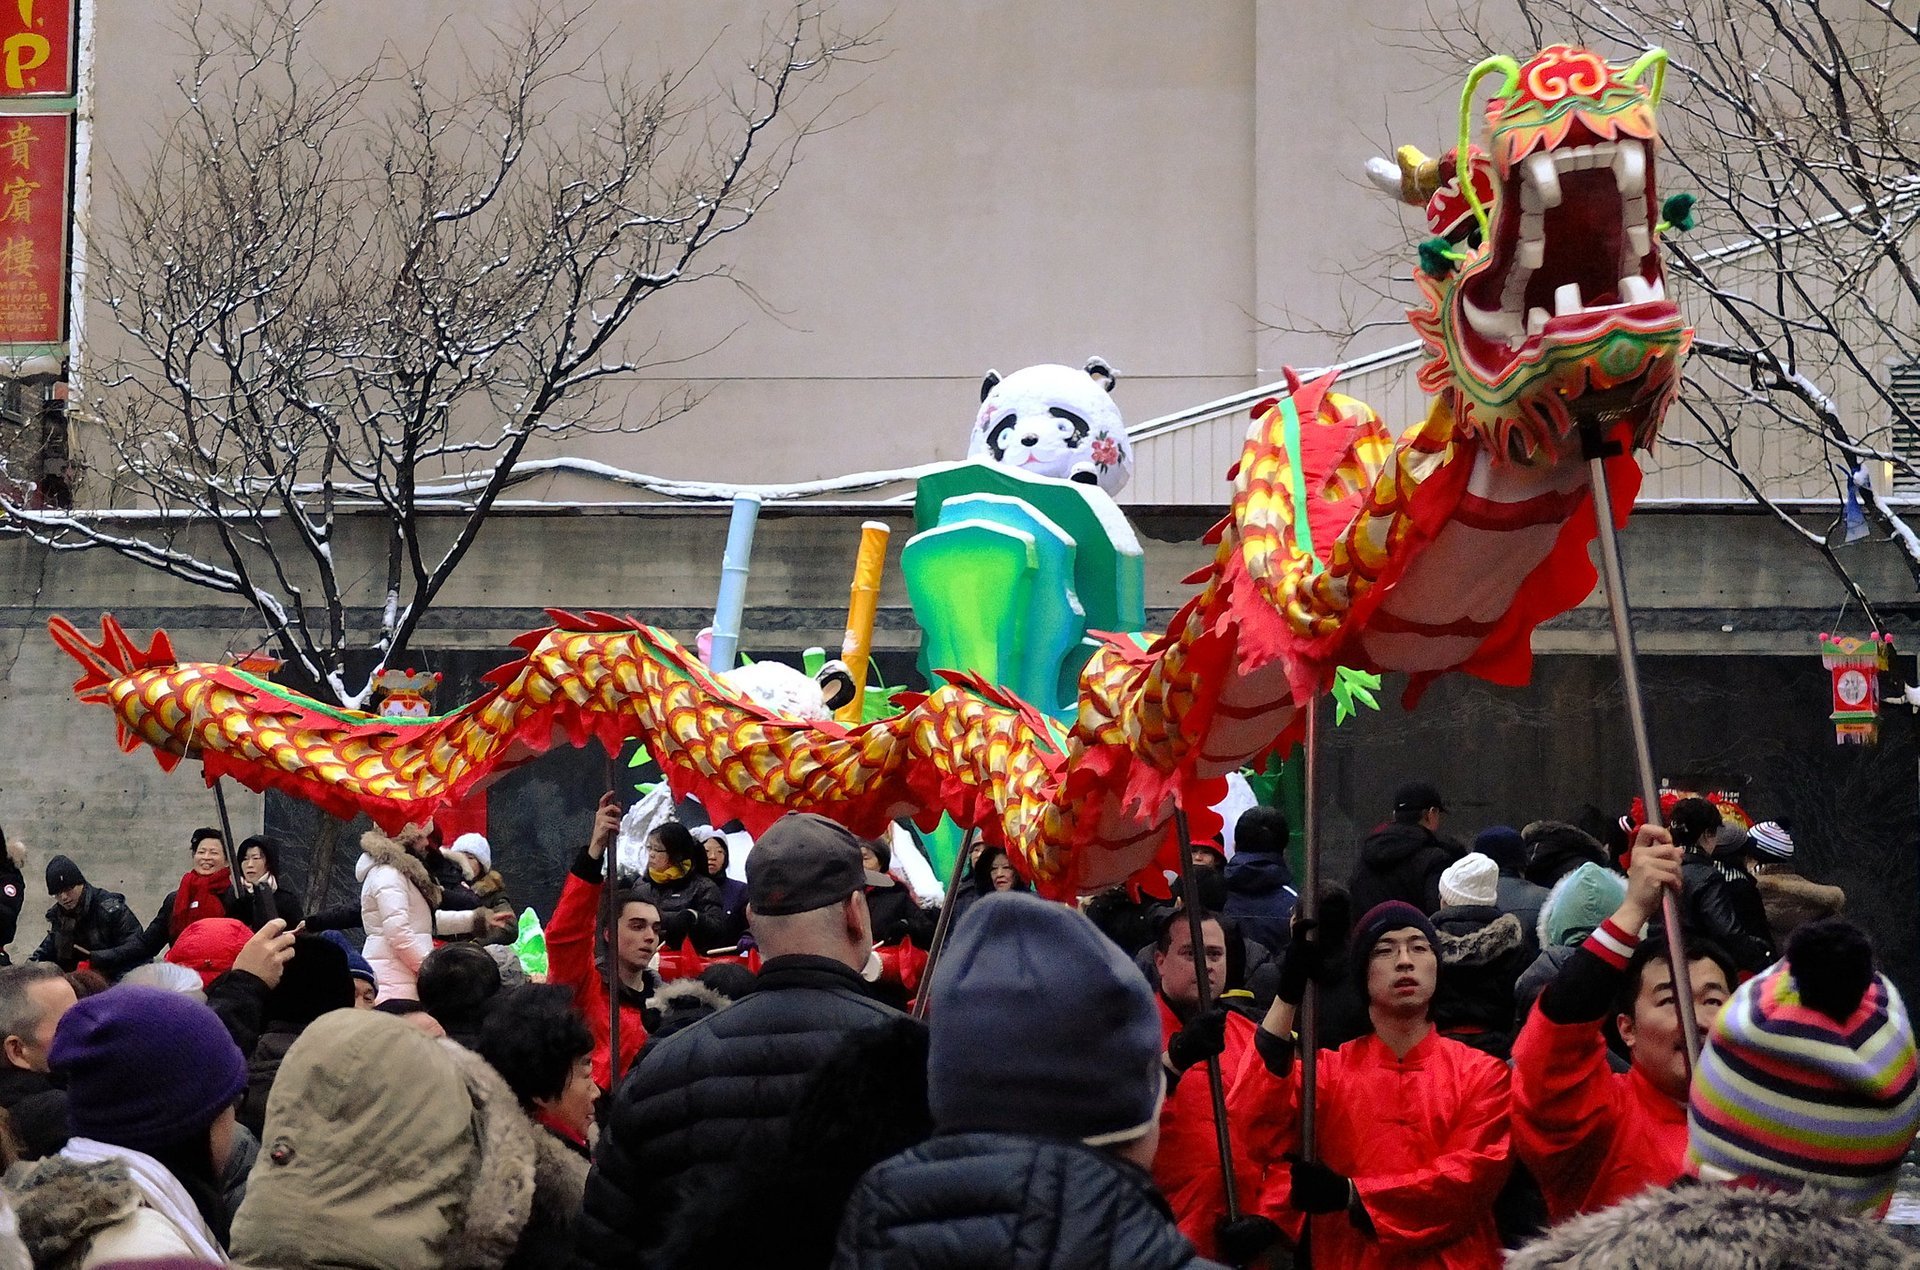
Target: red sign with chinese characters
x: 37, y: 48
x: 35, y: 158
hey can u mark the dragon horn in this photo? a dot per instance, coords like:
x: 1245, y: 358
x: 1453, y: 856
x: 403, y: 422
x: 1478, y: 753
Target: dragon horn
x: 1409, y: 175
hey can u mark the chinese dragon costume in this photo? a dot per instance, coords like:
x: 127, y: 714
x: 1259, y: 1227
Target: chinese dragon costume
x: 1543, y: 306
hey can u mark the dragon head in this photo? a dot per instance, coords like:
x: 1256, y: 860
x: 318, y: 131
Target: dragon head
x: 1549, y: 301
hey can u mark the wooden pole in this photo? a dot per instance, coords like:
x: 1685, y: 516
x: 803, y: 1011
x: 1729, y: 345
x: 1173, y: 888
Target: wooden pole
x: 944, y: 926
x: 226, y: 831
x: 610, y: 922
x: 1613, y: 580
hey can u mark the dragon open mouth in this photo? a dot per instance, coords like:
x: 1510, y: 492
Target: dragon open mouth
x: 1574, y: 240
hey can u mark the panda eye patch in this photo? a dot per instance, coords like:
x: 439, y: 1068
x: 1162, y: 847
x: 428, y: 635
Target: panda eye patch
x: 1074, y: 421
x: 997, y: 435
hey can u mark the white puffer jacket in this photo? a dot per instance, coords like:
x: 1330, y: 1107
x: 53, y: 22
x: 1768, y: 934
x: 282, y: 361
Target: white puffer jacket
x: 397, y: 899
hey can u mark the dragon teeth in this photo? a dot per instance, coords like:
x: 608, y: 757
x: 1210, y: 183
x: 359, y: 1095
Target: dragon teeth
x: 1495, y: 325
x: 1639, y: 239
x: 1540, y: 174
x: 1566, y: 299
x: 1532, y: 253
x: 1536, y: 320
x: 1630, y: 169
x: 1635, y: 290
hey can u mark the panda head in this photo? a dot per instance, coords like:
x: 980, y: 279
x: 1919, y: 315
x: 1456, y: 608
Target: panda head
x: 1055, y: 421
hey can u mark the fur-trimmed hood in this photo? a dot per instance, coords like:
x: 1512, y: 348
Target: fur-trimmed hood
x: 1792, y: 901
x: 62, y: 1204
x: 378, y: 849
x: 388, y: 1148
x: 680, y: 1004
x: 1696, y: 1225
x: 1483, y: 946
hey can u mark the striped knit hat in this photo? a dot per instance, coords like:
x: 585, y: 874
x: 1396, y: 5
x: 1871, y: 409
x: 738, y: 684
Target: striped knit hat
x: 1810, y: 1076
x: 1771, y: 840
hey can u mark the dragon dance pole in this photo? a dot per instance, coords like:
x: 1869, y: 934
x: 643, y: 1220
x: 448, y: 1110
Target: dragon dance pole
x: 1190, y: 888
x: 725, y: 649
x: 610, y: 923
x: 226, y: 831
x: 1613, y: 578
x: 858, y: 648
x: 1309, y: 1029
x: 942, y: 927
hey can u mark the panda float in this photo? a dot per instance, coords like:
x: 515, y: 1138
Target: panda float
x: 1055, y: 421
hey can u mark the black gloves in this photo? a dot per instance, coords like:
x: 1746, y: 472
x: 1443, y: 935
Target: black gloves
x: 1304, y: 960
x: 1318, y: 1189
x: 1240, y: 1242
x: 1204, y: 1037
x: 677, y: 928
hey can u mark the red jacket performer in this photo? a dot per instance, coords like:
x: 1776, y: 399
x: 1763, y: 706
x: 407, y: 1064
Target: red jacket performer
x: 1186, y: 1169
x: 1592, y: 1136
x: 572, y: 948
x: 1412, y: 1126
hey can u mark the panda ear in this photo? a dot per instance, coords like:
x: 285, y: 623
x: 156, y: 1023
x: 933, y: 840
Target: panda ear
x: 1102, y: 373
x: 988, y: 384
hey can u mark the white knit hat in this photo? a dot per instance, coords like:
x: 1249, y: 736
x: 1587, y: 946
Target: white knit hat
x: 1472, y: 879
x: 1768, y: 839
x: 477, y: 846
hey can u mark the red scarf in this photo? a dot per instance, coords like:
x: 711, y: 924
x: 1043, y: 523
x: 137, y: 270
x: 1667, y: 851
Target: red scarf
x: 198, y: 897
x: 559, y: 1128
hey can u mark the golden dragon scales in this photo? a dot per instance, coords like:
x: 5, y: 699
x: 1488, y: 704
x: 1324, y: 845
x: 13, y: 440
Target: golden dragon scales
x: 1437, y: 550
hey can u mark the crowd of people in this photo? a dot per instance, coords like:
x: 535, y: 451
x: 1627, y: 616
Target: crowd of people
x: 1500, y: 1067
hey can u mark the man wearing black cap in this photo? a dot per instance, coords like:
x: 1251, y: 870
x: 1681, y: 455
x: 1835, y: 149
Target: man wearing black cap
x: 87, y: 924
x: 736, y: 1141
x: 1404, y: 858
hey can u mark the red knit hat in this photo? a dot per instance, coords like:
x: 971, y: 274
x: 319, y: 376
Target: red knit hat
x: 209, y: 946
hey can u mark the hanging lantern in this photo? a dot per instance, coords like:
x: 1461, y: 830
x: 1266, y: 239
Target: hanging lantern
x: 1855, y: 665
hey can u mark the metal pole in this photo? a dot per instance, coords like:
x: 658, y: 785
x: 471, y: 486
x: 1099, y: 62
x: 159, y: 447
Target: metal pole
x: 1613, y: 579
x: 1196, y: 930
x: 226, y: 831
x: 1309, y: 1028
x: 945, y: 924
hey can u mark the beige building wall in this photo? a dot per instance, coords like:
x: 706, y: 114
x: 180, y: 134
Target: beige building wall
x: 1171, y: 189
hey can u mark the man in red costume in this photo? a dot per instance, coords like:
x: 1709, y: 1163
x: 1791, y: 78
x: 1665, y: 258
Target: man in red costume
x: 571, y: 948
x: 1187, y: 1166
x: 1592, y: 1136
x: 1412, y: 1126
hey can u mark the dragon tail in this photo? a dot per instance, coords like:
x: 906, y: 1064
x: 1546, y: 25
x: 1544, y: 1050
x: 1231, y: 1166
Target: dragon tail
x: 113, y: 657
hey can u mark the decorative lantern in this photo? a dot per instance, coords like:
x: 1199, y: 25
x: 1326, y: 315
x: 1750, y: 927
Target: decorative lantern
x: 1855, y: 665
x: 406, y: 694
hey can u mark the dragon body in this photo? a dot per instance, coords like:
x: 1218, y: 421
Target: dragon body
x: 1436, y: 550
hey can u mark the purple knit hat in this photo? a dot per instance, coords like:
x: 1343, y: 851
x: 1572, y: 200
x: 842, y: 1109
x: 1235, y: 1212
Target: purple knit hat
x: 1389, y: 915
x: 144, y: 1068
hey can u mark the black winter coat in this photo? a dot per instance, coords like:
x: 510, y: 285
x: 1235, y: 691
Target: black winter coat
x: 1482, y: 953
x: 1722, y: 904
x: 695, y: 896
x: 1009, y: 1202
x: 37, y: 1109
x: 13, y: 897
x: 1261, y: 896
x: 1400, y: 862
x: 896, y: 916
x: 736, y: 1142
x: 102, y: 923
